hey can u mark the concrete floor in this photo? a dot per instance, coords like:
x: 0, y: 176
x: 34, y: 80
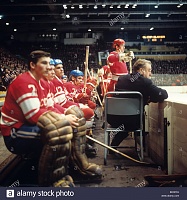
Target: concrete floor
x: 120, y: 171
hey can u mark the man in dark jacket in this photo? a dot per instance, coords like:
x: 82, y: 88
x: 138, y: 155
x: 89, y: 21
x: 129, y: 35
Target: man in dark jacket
x: 139, y: 81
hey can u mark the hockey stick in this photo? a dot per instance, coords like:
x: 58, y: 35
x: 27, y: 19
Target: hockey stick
x: 86, y: 68
x: 123, y: 154
x: 99, y: 98
x: 130, y: 63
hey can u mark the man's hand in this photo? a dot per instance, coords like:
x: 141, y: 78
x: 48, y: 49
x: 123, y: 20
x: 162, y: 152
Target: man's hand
x: 100, y: 72
x: 83, y: 98
x: 73, y: 120
x: 131, y: 54
x: 126, y: 57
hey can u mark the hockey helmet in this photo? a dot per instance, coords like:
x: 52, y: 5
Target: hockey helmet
x: 118, y: 42
x: 58, y: 61
x: 52, y: 62
x: 76, y: 73
x: 64, y: 76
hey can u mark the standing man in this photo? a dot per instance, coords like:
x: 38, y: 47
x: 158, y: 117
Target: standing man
x: 139, y: 81
x: 117, y: 62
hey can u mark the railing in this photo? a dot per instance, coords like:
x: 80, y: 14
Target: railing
x: 169, y: 79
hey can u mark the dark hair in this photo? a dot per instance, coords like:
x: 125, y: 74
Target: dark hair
x: 36, y: 55
x: 140, y: 63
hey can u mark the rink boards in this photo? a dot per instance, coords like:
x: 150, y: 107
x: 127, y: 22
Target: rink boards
x: 167, y: 126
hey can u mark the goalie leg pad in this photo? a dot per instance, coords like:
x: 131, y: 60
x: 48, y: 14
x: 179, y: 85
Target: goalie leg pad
x: 55, y: 155
x: 78, y: 156
x: 67, y: 181
x: 75, y: 110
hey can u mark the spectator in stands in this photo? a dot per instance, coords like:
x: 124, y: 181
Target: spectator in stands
x: 2, y: 87
x: 65, y: 78
x: 2, y: 70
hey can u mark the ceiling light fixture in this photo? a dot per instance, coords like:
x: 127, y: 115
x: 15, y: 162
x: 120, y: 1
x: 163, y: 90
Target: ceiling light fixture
x: 80, y: 6
x: 104, y: 5
x: 65, y: 6
x: 119, y: 6
x: 15, y: 30
x: 89, y: 29
x: 7, y: 24
x: 134, y: 5
x: 111, y: 6
x: 178, y: 6
x: 152, y: 28
x: 127, y: 5
x: 147, y: 15
x: 67, y: 16
x: 72, y: 7
x: 95, y: 7
x: 156, y: 6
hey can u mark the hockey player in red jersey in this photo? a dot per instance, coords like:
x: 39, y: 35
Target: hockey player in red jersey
x: 62, y: 95
x: 60, y: 92
x: 117, y: 62
x: 76, y: 88
x: 49, y: 88
x: 104, y: 75
x: 29, y: 126
x: 64, y: 78
x: 49, y: 91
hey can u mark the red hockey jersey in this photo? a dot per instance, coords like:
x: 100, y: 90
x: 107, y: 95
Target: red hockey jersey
x: 24, y: 103
x: 49, y: 93
x: 61, y: 94
x: 73, y: 90
x: 116, y: 67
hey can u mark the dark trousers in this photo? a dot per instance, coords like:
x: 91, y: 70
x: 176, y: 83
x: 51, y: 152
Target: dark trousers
x: 129, y: 123
x: 118, y: 138
x: 24, y: 140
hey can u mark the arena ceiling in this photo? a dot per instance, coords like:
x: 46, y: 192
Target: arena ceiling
x: 79, y: 16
